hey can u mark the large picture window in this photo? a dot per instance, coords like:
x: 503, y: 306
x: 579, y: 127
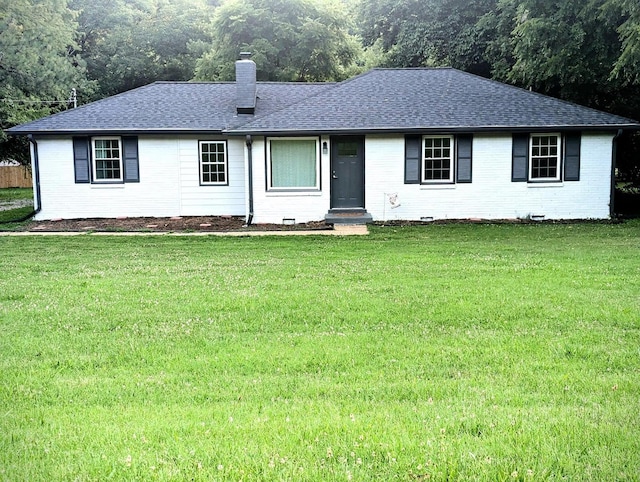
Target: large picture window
x: 437, y: 161
x: 293, y: 163
x: 213, y: 162
x: 107, y: 159
x: 545, y: 157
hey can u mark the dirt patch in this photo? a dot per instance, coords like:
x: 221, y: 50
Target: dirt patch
x: 174, y: 224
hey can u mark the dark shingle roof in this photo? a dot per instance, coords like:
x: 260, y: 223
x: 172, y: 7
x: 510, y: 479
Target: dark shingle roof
x: 403, y: 100
x: 171, y: 107
x: 382, y: 100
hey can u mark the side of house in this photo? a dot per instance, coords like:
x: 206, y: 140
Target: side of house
x: 390, y: 144
x: 485, y: 187
x: 162, y: 176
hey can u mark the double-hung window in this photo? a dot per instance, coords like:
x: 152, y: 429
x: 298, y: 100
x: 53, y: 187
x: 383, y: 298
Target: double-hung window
x: 545, y: 157
x: 437, y: 160
x: 107, y: 159
x: 293, y: 163
x: 213, y: 163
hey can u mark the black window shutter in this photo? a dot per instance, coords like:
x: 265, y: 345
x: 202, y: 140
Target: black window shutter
x: 412, y: 159
x: 130, y: 158
x: 572, y: 157
x: 463, y: 152
x: 81, y: 159
x: 520, y: 159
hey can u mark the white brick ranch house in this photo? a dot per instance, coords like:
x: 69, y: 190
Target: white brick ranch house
x: 410, y: 144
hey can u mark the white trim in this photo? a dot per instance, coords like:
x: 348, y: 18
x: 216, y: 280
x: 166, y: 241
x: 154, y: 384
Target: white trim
x: 451, y: 158
x: 558, y: 176
x: 270, y: 188
x: 276, y: 194
x: 432, y: 186
x: 543, y: 184
x: 94, y: 160
x: 200, y: 164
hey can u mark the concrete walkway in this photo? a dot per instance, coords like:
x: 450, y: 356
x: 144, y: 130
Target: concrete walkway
x: 338, y: 230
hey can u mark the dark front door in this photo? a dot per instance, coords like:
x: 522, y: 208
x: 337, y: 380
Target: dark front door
x: 347, y: 172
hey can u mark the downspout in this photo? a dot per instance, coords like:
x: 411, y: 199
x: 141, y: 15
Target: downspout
x: 36, y: 174
x: 614, y: 155
x: 249, y: 142
x: 36, y: 181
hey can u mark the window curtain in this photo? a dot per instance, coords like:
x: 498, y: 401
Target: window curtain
x: 293, y: 163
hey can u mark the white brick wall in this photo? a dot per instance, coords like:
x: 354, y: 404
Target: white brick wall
x: 197, y: 200
x: 169, y: 185
x: 273, y: 207
x: 491, y: 195
x: 157, y: 193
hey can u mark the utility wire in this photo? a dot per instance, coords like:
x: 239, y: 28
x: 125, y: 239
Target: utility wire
x: 71, y: 100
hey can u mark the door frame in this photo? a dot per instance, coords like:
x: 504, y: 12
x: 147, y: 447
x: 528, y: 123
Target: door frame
x: 335, y: 140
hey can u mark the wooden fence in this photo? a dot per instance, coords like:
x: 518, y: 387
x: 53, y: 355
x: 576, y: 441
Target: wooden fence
x: 15, y: 176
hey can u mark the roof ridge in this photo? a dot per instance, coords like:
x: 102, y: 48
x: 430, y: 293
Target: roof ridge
x: 443, y: 67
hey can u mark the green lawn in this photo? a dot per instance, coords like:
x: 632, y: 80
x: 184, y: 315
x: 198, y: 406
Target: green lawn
x: 15, y: 193
x: 456, y: 352
x: 8, y: 195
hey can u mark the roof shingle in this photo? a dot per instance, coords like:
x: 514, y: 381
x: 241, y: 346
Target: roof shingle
x: 403, y: 100
x: 381, y: 100
x: 170, y: 107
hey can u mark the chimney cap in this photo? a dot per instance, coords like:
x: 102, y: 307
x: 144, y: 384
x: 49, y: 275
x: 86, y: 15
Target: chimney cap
x: 245, y: 55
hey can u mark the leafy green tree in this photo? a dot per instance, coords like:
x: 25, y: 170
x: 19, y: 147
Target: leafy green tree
x: 39, y: 65
x: 566, y: 49
x: 627, y: 66
x: 292, y: 40
x: 129, y: 43
x: 426, y: 32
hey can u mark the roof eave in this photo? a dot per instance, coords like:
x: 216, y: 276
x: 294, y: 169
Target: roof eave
x: 114, y: 132
x: 431, y: 129
x: 332, y: 131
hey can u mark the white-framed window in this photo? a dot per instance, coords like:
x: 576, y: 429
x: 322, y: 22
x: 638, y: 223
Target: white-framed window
x: 437, y: 159
x: 544, y: 155
x: 293, y: 163
x: 107, y: 159
x: 213, y: 162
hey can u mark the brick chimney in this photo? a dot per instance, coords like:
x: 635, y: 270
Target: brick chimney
x: 245, y: 84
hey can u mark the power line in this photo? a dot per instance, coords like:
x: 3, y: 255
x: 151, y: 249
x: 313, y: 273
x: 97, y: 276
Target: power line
x: 27, y: 101
x: 73, y: 99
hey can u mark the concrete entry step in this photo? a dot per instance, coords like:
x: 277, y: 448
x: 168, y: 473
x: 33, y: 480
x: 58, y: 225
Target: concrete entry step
x: 348, y: 216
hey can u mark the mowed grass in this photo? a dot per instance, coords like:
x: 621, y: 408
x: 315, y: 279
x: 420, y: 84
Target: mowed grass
x: 457, y: 352
x: 7, y: 216
x: 15, y: 193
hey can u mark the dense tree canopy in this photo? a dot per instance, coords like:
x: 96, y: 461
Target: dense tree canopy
x: 127, y: 44
x: 582, y: 51
x: 426, y: 32
x: 292, y: 40
x: 39, y: 64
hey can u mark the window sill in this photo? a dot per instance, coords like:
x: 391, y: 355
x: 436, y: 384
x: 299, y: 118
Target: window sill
x: 545, y: 184
x: 293, y: 193
x: 429, y: 187
x: 107, y: 185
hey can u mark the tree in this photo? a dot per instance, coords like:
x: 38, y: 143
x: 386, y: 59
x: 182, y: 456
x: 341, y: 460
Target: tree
x: 584, y: 52
x: 130, y: 43
x: 426, y: 32
x: 627, y: 66
x: 292, y: 40
x: 39, y: 65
